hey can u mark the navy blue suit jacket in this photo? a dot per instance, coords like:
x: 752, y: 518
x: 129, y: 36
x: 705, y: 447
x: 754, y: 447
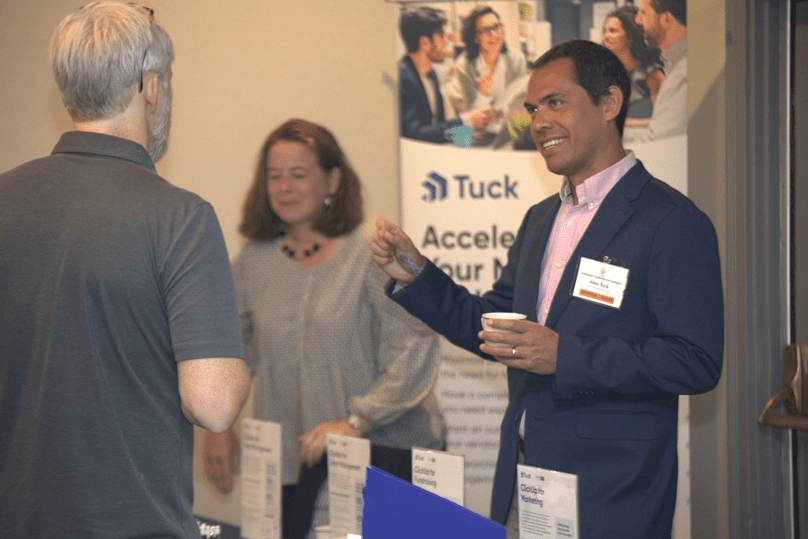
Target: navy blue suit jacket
x: 416, y: 116
x: 609, y: 413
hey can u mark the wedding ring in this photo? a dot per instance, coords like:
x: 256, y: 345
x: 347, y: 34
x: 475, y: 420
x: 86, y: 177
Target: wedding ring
x: 513, y: 352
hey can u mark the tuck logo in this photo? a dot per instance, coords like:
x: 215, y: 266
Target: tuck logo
x: 437, y: 188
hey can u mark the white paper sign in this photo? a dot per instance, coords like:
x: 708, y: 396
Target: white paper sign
x: 548, y: 503
x: 439, y: 472
x: 260, y: 479
x: 348, y: 461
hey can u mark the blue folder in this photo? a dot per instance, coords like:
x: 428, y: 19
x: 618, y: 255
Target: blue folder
x: 396, y: 509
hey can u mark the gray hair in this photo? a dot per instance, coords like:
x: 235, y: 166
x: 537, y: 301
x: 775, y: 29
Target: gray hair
x: 101, y: 53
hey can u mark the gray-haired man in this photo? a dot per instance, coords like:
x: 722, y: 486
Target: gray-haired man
x: 118, y: 322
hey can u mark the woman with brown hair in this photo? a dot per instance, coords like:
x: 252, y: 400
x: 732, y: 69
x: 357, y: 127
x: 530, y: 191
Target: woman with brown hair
x: 485, y: 69
x: 329, y: 352
x: 624, y: 37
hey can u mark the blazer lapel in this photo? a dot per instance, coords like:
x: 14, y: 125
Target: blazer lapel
x: 613, y: 213
x: 424, y: 112
x: 536, y: 254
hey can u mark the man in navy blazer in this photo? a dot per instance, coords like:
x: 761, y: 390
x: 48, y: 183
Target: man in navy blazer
x: 421, y: 105
x: 593, y: 378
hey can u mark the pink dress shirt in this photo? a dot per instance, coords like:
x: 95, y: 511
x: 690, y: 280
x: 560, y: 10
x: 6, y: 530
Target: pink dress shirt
x: 571, y: 223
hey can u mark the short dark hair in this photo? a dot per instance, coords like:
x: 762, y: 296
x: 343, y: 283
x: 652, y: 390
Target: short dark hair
x: 470, y: 31
x: 636, y: 43
x: 596, y: 69
x: 340, y: 217
x: 677, y: 8
x: 417, y: 22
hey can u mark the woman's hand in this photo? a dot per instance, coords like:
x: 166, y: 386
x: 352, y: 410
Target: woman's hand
x: 485, y: 84
x: 313, y: 443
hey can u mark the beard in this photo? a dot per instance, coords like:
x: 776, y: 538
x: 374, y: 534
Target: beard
x: 652, y: 37
x: 158, y: 134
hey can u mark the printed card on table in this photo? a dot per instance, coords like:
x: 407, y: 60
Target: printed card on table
x: 348, y: 461
x: 260, y: 479
x: 548, y: 503
x: 439, y: 472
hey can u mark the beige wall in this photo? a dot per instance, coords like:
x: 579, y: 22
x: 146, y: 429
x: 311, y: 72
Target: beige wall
x: 244, y: 67
x: 241, y: 69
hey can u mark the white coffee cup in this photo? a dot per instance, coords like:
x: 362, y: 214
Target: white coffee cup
x: 500, y: 316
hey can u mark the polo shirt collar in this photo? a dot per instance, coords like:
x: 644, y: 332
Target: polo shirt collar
x: 89, y: 143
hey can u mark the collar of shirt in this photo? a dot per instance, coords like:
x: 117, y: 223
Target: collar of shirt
x: 674, y: 53
x: 571, y: 224
x: 595, y: 188
x: 92, y: 143
x: 481, y: 66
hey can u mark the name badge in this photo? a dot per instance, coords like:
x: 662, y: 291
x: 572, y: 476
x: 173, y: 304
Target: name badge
x: 600, y: 282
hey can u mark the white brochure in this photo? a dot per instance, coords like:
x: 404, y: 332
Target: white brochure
x: 548, y: 503
x: 348, y: 461
x: 439, y: 472
x: 260, y: 479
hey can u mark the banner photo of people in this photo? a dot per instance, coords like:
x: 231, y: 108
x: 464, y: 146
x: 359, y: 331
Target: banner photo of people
x: 470, y: 170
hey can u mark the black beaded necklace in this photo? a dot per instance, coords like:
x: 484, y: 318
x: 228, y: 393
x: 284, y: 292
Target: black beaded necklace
x: 288, y: 251
x: 307, y: 253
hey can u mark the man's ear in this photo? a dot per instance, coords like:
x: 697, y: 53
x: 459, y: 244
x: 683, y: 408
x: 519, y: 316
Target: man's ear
x: 424, y: 43
x: 611, y: 103
x: 151, y: 89
x: 666, y: 19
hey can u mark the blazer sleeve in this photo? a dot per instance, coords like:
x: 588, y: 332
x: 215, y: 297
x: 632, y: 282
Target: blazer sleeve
x: 452, y: 310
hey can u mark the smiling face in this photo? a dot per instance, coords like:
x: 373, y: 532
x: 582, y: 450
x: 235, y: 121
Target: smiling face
x: 296, y: 184
x: 489, y: 33
x: 575, y: 136
x: 614, y: 35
